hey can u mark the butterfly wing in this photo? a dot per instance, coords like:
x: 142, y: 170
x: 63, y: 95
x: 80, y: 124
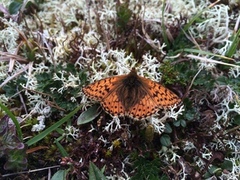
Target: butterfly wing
x: 163, y: 97
x: 113, y: 105
x: 100, y: 89
x: 145, y: 108
x: 157, y: 97
x: 105, y: 92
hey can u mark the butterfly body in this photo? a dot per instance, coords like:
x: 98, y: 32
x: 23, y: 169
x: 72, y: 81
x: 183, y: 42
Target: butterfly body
x: 130, y: 90
x: 131, y: 95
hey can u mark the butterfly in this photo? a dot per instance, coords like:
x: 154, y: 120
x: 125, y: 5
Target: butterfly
x: 131, y: 95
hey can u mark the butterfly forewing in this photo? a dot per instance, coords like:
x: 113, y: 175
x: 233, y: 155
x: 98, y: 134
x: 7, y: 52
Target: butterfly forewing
x: 162, y: 96
x: 100, y: 89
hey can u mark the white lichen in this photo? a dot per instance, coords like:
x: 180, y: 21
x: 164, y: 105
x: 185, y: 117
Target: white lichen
x: 9, y: 35
x: 40, y: 126
x: 113, y: 126
x: 72, y: 132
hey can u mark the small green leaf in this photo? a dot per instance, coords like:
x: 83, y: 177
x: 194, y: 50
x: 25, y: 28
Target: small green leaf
x: 177, y: 123
x: 165, y: 140
x: 60, y: 175
x: 88, y: 115
x: 183, y: 123
x: 95, y: 173
x: 228, y: 165
x: 168, y: 128
x: 237, y: 120
x: 190, y: 115
x: 15, y: 6
x: 214, y: 170
x: 61, y: 149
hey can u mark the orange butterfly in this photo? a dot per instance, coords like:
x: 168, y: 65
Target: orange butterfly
x: 131, y: 95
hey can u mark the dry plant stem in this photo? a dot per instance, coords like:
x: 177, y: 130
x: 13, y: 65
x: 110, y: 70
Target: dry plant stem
x: 231, y: 130
x: 12, y: 61
x: 148, y: 39
x: 101, y: 31
x: 192, y: 39
x: 31, y: 171
x: 175, y: 57
x: 213, y: 4
x: 22, y: 101
x: 189, y: 87
x: 48, y: 47
x: 54, y: 104
x: 88, y: 2
x: 15, y: 75
x: 237, y: 24
x: 7, y: 56
x: 210, y: 60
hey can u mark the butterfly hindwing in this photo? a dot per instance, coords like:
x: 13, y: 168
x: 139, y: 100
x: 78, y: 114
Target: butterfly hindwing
x: 157, y: 97
x: 113, y: 105
x: 145, y: 108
